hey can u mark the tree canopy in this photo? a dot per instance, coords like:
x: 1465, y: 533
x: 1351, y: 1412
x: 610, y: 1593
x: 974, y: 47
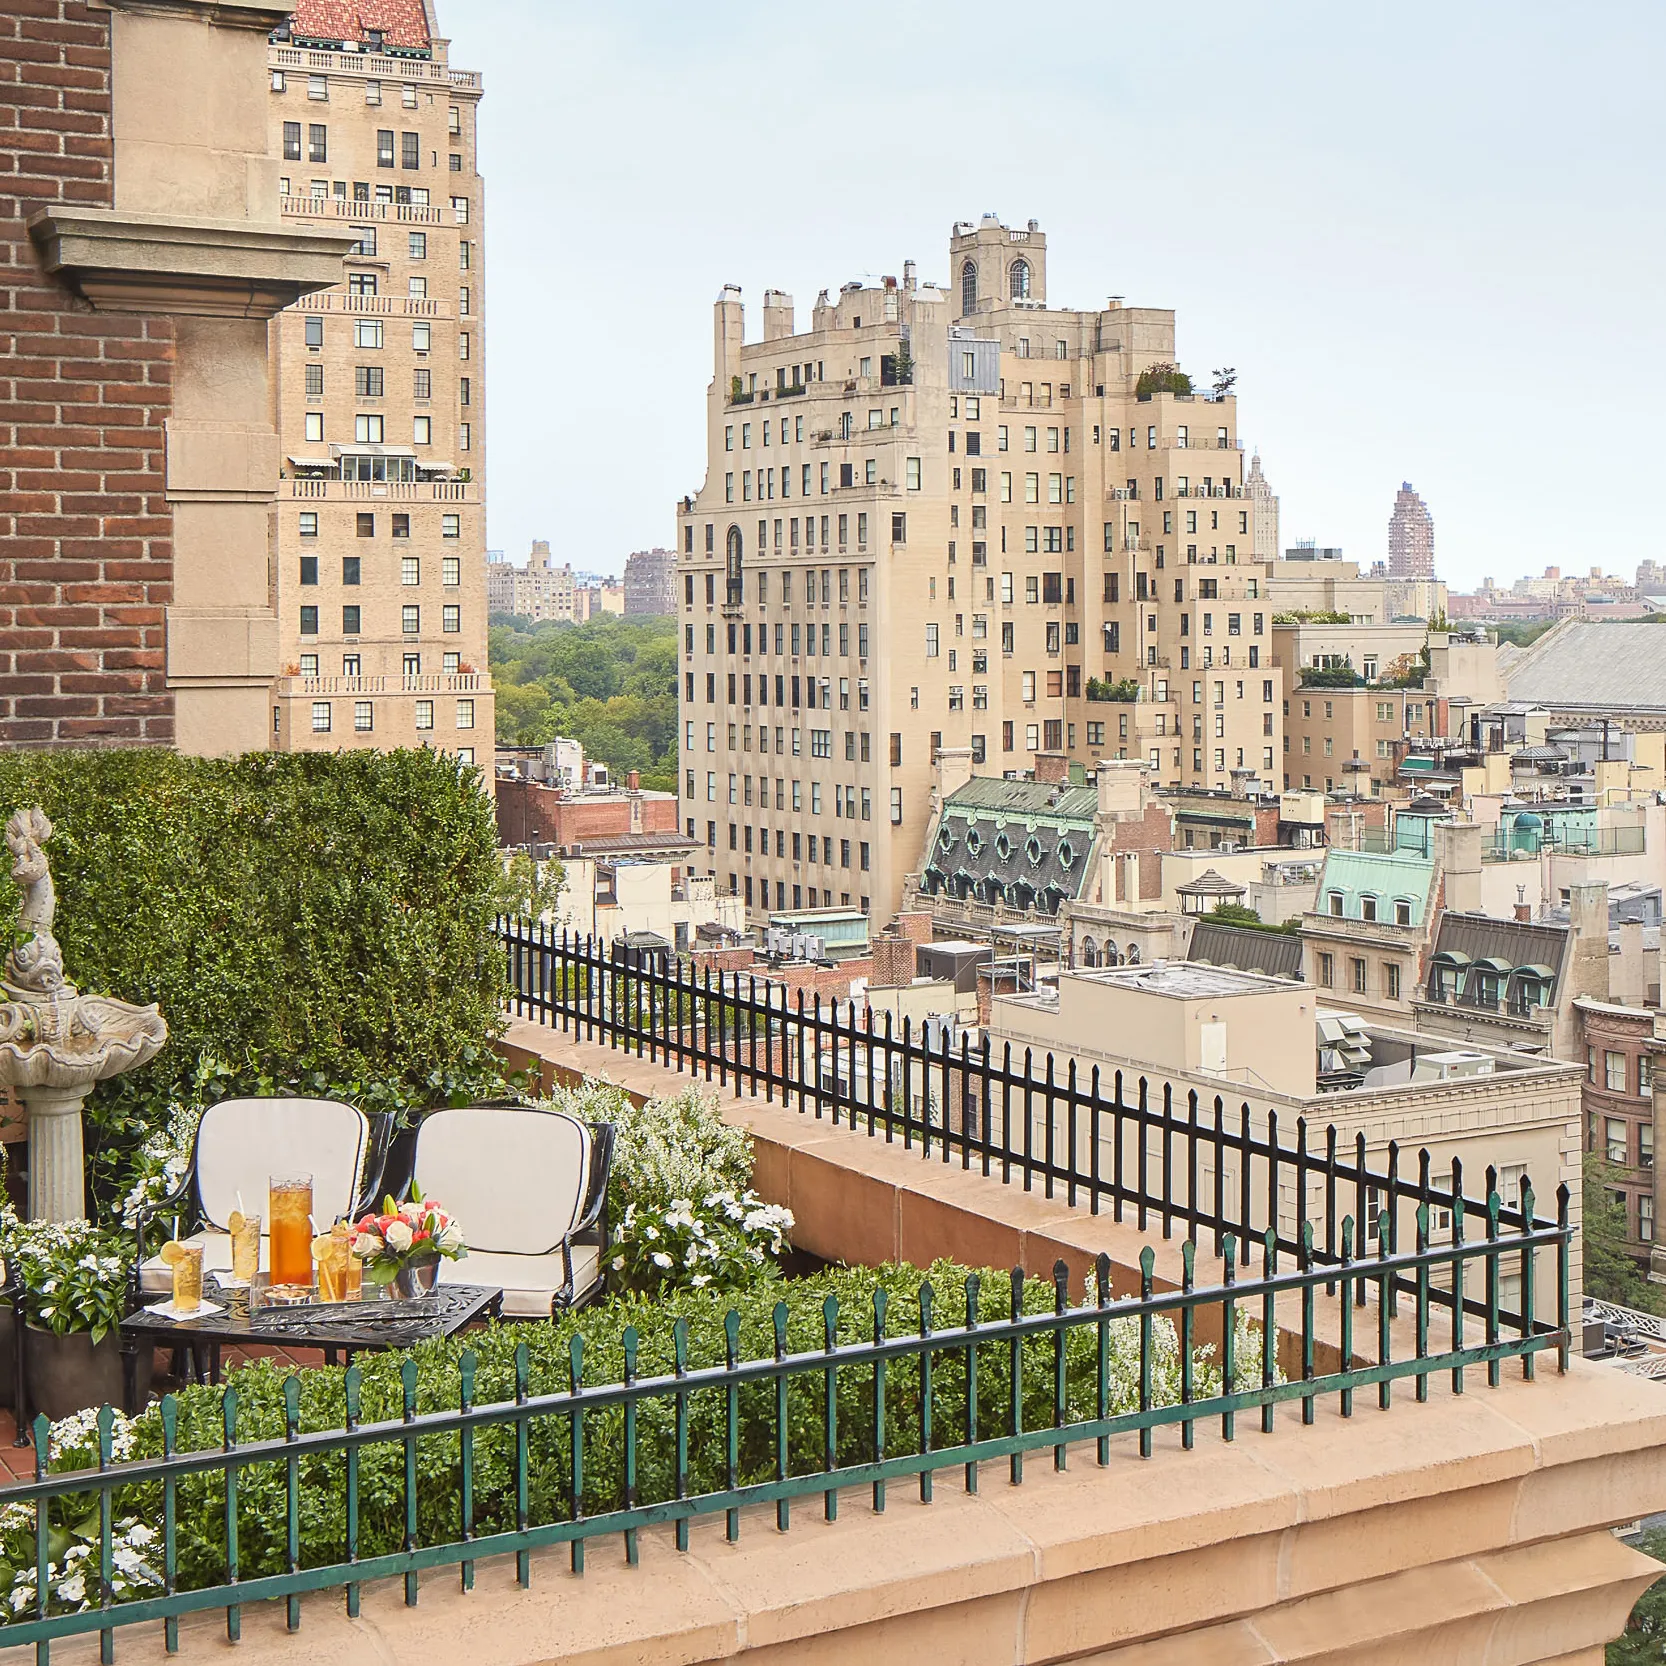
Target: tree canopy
x: 610, y: 684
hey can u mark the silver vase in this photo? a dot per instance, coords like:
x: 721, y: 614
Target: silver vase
x: 415, y: 1279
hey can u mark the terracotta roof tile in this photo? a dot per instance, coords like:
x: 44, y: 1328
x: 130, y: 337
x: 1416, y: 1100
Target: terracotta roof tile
x: 402, y: 22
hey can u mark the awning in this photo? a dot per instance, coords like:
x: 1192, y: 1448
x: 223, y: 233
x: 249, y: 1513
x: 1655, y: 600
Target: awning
x: 312, y: 462
x: 368, y: 450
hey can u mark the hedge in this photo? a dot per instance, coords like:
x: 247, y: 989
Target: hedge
x: 260, y: 1393
x: 323, y: 920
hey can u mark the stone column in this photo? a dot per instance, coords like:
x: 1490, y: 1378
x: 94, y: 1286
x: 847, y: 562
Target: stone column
x: 1657, y: 1254
x: 57, y: 1188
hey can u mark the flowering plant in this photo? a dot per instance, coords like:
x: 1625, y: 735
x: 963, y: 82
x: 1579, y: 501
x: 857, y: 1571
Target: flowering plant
x: 726, y: 1241
x: 74, y: 1275
x: 406, y: 1235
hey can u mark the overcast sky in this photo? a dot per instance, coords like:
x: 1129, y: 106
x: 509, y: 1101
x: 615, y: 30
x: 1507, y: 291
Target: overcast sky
x: 1429, y: 237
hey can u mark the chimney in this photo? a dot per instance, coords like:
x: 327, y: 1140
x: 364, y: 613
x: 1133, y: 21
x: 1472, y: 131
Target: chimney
x: 908, y: 278
x: 915, y: 926
x: 986, y: 998
x: 953, y: 769
x: 1121, y: 784
x: 1460, y: 851
x: 728, y: 334
x: 1631, y: 976
x: 778, y: 315
x: 633, y: 781
x: 1524, y: 909
x: 893, y: 962
x: 1588, y: 945
x: 1052, y: 767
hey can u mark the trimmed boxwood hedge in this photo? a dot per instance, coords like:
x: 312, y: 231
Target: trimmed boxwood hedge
x: 323, y: 920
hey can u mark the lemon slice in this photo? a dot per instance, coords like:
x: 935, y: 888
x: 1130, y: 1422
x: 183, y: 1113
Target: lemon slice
x: 235, y: 1221
x: 172, y: 1252
x: 320, y: 1245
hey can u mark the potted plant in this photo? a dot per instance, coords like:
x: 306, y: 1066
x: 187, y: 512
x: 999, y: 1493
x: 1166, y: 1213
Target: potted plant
x: 404, y: 1245
x: 73, y: 1281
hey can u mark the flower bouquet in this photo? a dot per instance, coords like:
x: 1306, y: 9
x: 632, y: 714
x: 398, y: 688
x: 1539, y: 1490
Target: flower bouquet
x: 404, y: 1245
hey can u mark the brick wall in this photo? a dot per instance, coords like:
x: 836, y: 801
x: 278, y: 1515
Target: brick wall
x: 86, y: 561
x: 1149, y: 834
x: 523, y: 806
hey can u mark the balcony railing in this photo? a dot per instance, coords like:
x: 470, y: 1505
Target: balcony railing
x: 399, y: 491
x: 374, y: 306
x: 868, y: 1399
x: 345, y: 208
x: 450, y: 682
x: 371, y: 67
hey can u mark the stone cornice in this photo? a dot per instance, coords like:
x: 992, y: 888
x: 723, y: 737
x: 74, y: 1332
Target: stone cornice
x: 262, y: 16
x: 162, y: 264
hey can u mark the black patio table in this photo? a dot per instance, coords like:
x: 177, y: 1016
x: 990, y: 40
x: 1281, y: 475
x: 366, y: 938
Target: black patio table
x: 364, y: 1325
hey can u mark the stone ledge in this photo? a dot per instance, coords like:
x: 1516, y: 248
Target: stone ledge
x: 178, y: 266
x: 1384, y: 1539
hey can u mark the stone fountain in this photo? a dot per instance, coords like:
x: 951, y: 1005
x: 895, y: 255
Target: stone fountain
x: 56, y: 1042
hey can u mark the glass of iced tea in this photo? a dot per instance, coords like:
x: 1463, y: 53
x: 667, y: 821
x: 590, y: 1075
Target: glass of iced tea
x: 289, y: 1228
x: 331, y: 1251
x: 186, y: 1262
x: 245, y: 1247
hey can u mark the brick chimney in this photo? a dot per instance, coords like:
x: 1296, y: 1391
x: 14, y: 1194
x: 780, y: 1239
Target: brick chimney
x: 1052, y: 767
x: 986, y: 996
x: 1524, y: 909
x: 893, y: 962
x: 915, y: 926
x: 633, y: 782
x: 1588, y: 948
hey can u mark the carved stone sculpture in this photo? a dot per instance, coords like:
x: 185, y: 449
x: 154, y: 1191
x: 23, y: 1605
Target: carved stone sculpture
x: 56, y: 1042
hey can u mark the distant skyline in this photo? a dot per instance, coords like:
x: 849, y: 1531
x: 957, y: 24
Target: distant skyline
x: 1423, y: 236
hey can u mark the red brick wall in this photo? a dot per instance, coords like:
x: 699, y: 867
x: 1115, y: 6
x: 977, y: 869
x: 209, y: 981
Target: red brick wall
x: 1151, y: 833
x: 525, y: 805
x: 86, y: 558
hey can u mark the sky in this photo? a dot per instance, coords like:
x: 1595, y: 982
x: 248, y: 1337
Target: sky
x: 1429, y: 238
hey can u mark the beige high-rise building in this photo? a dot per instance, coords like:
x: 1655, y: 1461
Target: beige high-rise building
x: 379, y: 550
x: 1265, y: 520
x: 954, y: 519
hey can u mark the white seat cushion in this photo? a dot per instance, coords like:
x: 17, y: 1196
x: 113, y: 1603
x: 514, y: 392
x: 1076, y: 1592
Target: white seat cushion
x: 156, y: 1276
x: 243, y: 1143
x: 529, y: 1282
x: 514, y: 1180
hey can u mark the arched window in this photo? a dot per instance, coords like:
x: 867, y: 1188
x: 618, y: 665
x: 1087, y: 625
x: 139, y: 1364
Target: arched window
x: 968, y: 286
x: 1019, y: 288
x: 1090, y: 952
x: 735, y: 580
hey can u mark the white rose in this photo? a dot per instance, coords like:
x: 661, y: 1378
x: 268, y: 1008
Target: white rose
x: 399, y: 1237
x: 451, y: 1238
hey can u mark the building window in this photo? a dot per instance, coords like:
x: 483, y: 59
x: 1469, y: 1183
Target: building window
x: 367, y: 380
x: 1391, y: 980
x: 425, y: 714
x: 1617, y: 1146
x: 451, y: 526
x: 1645, y: 1217
x: 1327, y: 970
x: 384, y: 147
x: 410, y: 150
x: 368, y: 430
x: 350, y: 621
x: 292, y: 141
x: 422, y: 430
x: 309, y: 523
x: 410, y: 569
x: 460, y: 210
x: 350, y: 569
x: 363, y: 721
x: 422, y: 337
x: 321, y: 717
x: 315, y: 381
x: 309, y: 621
x: 309, y: 569
x: 314, y: 427
x: 1357, y: 976
x: 367, y: 333
x: 451, y: 618
x: 410, y: 619
x: 318, y: 142
x: 465, y: 714
x: 1019, y: 285
x: 969, y: 294
x: 451, y: 569
x: 1615, y: 1074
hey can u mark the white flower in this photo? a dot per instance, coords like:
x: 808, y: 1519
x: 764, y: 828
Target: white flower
x: 399, y: 1237
x: 700, y: 1280
x: 661, y: 1259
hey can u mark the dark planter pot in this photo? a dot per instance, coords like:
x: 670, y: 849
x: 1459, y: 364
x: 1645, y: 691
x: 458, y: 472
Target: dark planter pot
x: 67, y: 1374
x: 8, y: 1357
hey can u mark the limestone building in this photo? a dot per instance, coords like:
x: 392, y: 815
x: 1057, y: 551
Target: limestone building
x: 1411, y: 536
x: 539, y: 591
x: 378, y: 388
x: 1265, y: 520
x: 954, y: 518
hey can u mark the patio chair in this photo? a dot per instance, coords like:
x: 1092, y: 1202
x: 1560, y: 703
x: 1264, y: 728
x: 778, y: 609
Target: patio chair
x: 240, y: 1145
x: 529, y: 1190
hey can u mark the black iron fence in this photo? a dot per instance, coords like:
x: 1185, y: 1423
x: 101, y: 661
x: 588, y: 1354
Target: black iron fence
x: 1118, y: 1142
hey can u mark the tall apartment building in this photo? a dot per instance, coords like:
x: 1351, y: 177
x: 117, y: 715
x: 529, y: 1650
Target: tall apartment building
x: 378, y: 384
x: 1265, y: 520
x: 538, y: 591
x: 650, y: 583
x: 957, y: 519
x: 1411, y: 536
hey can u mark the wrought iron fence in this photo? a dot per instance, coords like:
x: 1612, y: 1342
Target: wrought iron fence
x: 1126, y: 1145
x: 897, y: 1402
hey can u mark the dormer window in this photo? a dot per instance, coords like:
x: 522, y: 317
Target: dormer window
x: 1334, y: 901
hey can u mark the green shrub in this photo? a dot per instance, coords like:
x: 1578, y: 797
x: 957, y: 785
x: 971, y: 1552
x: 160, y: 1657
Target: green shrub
x: 261, y: 1415
x: 1163, y: 378
x: 317, y: 923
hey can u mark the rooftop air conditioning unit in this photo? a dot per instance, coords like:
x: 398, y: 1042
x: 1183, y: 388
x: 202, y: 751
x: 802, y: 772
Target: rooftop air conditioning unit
x: 1451, y: 1067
